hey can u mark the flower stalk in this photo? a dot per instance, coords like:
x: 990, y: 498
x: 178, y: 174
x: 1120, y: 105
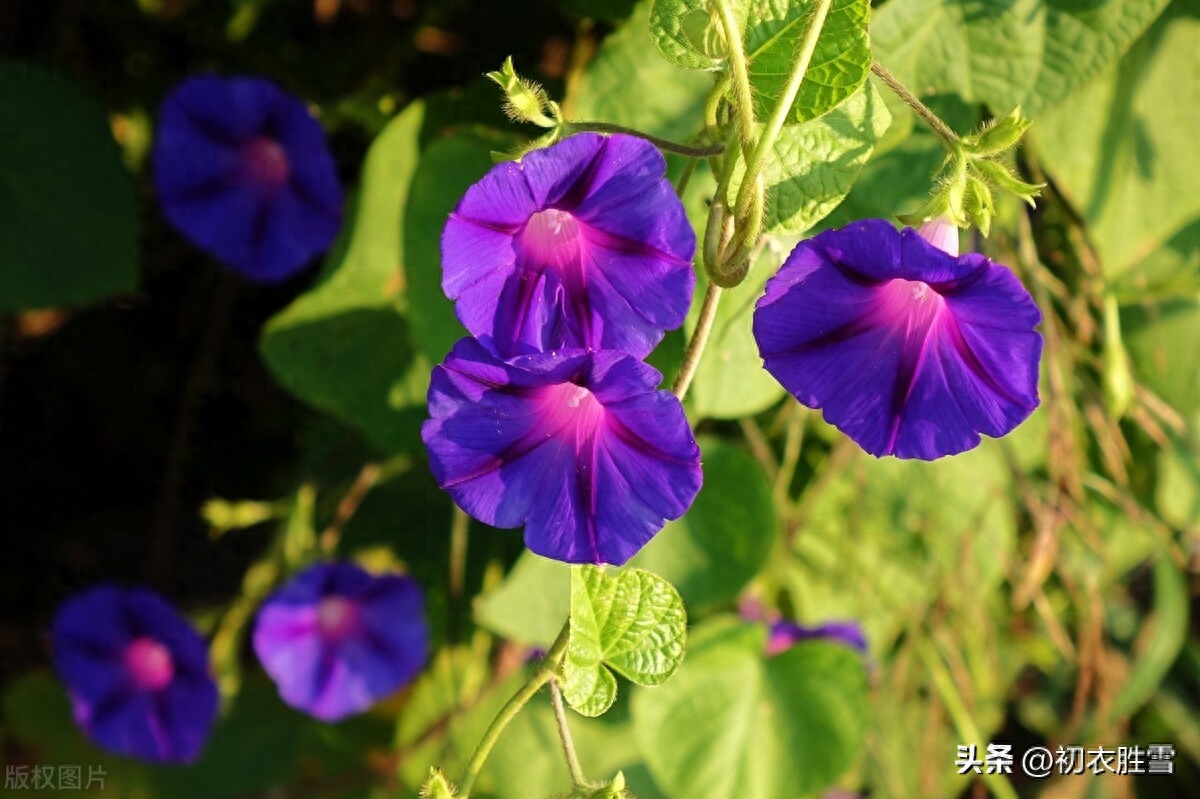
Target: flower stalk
x: 544, y: 673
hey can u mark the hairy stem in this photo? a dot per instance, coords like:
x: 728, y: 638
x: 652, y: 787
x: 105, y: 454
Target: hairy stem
x: 923, y: 111
x: 564, y: 734
x: 693, y: 151
x: 695, y: 348
x: 543, y: 674
x: 743, y: 108
x: 779, y: 115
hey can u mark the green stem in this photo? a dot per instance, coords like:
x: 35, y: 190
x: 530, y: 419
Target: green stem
x: 695, y: 348
x: 544, y: 674
x: 923, y: 111
x: 460, y: 527
x: 684, y: 177
x: 692, y: 151
x: 964, y: 725
x: 783, y: 108
x: 743, y: 108
x: 564, y: 734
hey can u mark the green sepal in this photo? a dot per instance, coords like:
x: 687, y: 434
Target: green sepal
x: 519, y: 152
x: 436, y: 787
x: 999, y: 175
x: 948, y: 197
x: 613, y: 789
x: 977, y: 201
x: 997, y: 136
x: 524, y: 100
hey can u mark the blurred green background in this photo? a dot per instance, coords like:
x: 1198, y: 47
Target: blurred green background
x: 163, y: 423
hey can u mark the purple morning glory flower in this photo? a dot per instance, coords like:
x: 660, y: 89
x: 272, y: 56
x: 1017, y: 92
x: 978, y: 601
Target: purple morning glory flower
x: 909, y: 350
x: 580, y: 245
x: 242, y: 170
x: 785, y: 633
x: 337, y: 639
x: 578, y: 446
x: 136, y: 672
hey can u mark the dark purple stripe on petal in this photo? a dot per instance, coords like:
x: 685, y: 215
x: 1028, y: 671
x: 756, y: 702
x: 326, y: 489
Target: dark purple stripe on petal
x: 913, y: 356
x: 580, y: 448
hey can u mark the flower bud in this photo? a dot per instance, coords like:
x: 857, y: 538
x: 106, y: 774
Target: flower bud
x: 524, y: 100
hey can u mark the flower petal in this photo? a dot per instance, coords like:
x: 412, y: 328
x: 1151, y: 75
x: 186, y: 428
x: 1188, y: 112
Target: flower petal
x: 334, y: 675
x: 91, y: 634
x: 580, y: 447
x: 909, y: 351
x: 582, y: 245
x: 266, y: 226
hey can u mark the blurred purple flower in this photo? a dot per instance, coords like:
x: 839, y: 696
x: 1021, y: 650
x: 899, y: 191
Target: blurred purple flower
x: 337, y: 639
x: 784, y: 633
x: 136, y: 672
x: 909, y: 350
x: 578, y: 446
x: 580, y: 245
x: 242, y: 170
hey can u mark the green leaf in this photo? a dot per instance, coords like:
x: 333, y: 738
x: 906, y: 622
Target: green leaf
x: 68, y: 220
x: 813, y: 165
x: 448, y: 167
x: 773, y: 30
x: 684, y: 32
x: 1005, y: 54
x: 346, y: 346
x: 735, y: 724
x: 1163, y: 341
x: 532, y: 602
x: 1082, y: 39
x: 673, y: 110
x: 986, y: 51
x: 631, y: 621
x: 1124, y: 149
x: 726, y: 536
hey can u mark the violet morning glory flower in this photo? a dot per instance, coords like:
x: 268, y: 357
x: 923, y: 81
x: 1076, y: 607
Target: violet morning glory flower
x: 785, y: 633
x: 337, y: 639
x: 136, y: 672
x: 909, y: 350
x: 578, y: 446
x: 580, y: 245
x: 242, y: 170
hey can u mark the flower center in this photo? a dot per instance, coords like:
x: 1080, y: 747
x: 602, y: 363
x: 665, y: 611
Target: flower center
x: 266, y: 162
x: 910, y: 303
x: 571, y: 405
x: 150, y: 664
x: 337, y: 617
x: 551, y: 238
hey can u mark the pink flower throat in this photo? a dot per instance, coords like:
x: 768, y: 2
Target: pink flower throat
x: 337, y: 617
x: 266, y: 162
x: 150, y: 664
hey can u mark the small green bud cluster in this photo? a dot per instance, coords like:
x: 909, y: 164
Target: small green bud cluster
x: 973, y: 169
x: 525, y: 100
